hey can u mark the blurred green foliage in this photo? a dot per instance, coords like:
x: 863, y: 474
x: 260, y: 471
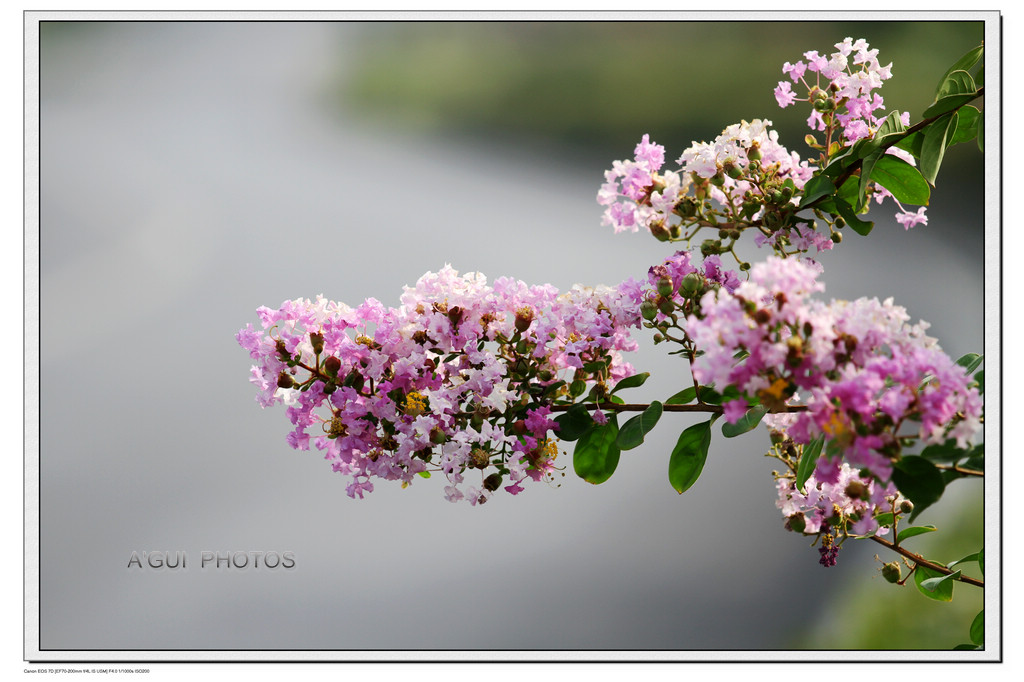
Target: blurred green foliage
x: 601, y: 85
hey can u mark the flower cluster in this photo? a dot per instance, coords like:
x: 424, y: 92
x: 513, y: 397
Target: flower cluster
x: 845, y: 104
x: 743, y: 179
x: 847, y: 503
x: 865, y: 373
x: 462, y: 376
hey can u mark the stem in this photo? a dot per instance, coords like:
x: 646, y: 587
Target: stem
x: 918, y: 559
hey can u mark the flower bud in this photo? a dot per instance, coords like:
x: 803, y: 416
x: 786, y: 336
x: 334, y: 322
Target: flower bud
x: 282, y: 350
x: 659, y: 231
x: 332, y: 365
x: 330, y: 387
x: 648, y: 310
x: 492, y: 482
x: 285, y: 380
x: 665, y: 287
x: 317, y: 340
x: 732, y: 170
x: 718, y: 179
x: 836, y: 237
x: 797, y: 522
x: 690, y: 284
x: 855, y: 489
x: 666, y: 306
x: 723, y: 233
x: 891, y: 572
x: 744, y: 266
x: 906, y: 506
x: 754, y: 153
x: 524, y: 316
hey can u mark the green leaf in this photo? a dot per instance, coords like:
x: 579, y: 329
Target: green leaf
x: 919, y: 481
x: 867, y: 165
x: 688, y: 456
x: 981, y: 560
x: 966, y: 126
x: 859, y: 226
x: 912, y: 143
x: 971, y: 361
x: 596, y: 455
x: 636, y: 429
x: 958, y: 82
x: 577, y: 388
x: 934, y: 146
x: 944, y: 452
x: 912, y: 531
x: 684, y: 397
x: 947, y: 104
x: 423, y: 474
x: 978, y: 628
x: 632, y: 382
x: 964, y: 560
x: 885, y: 519
x: 965, y: 63
x: 818, y: 186
x: 965, y: 647
x: 981, y: 134
x: 575, y: 422
x: 933, y: 584
x: 746, y: 423
x: 980, y: 378
x: 901, y: 179
x: 807, y: 461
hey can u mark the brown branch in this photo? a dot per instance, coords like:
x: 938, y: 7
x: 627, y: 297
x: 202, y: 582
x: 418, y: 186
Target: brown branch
x: 918, y: 559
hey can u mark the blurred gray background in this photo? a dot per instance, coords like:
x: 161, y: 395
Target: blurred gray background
x: 191, y: 172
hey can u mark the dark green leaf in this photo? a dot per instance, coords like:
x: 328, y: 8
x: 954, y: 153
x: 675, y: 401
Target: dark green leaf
x: 632, y: 382
x: 981, y: 560
x: 958, y: 82
x: 746, y: 423
x: 947, y: 104
x: 684, y: 397
x: 596, y: 454
x: 919, y: 481
x: 859, y: 226
x: 945, y: 452
x: 966, y: 125
x: 689, y: 455
x: 577, y: 388
x: 978, y: 628
x: 934, y: 146
x: 867, y: 165
x: 885, y: 519
x: 616, y: 399
x: 980, y: 378
x: 965, y: 63
x: 933, y: 584
x: 636, y: 429
x: 912, y: 143
x: 575, y: 422
x: 981, y: 134
x: 965, y: 647
x: 912, y: 531
x: 901, y: 179
x: 807, y: 461
x: 964, y: 560
x: 971, y: 361
x: 817, y: 187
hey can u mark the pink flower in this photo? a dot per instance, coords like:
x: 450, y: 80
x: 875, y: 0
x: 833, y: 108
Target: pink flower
x: 784, y: 94
x: 909, y: 220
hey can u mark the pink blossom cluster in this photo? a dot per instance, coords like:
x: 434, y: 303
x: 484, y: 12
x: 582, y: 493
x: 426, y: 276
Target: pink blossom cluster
x: 863, y: 372
x: 846, y: 79
x: 843, y: 97
x: 742, y: 170
x: 462, y: 376
x: 845, y: 501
